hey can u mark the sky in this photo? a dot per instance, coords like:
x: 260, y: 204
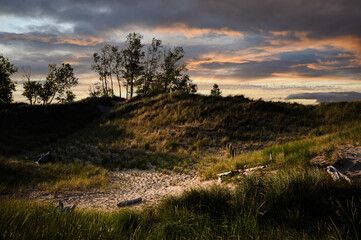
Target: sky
x: 282, y: 50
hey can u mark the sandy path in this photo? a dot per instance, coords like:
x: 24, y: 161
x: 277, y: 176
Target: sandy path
x: 126, y: 185
x: 153, y: 186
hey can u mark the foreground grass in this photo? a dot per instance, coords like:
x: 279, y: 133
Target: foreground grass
x: 20, y: 175
x: 290, y: 205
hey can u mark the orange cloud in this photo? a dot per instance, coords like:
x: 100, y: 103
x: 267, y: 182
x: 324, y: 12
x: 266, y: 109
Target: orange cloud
x: 266, y: 53
x: 75, y: 59
x: 80, y: 41
x: 190, y: 32
x: 348, y: 43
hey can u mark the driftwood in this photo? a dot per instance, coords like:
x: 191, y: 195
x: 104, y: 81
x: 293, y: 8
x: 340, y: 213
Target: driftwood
x: 239, y: 171
x: 44, y: 158
x: 253, y: 169
x: 336, y: 174
x: 129, y: 202
x: 229, y: 173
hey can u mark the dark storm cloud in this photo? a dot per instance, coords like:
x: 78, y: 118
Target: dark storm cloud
x: 321, y: 18
x: 328, y: 96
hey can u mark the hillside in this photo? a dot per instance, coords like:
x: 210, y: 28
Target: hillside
x: 185, y: 138
x: 25, y: 128
x: 178, y: 129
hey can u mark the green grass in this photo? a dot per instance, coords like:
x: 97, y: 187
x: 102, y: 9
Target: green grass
x: 289, y: 205
x: 20, y: 175
x: 292, y: 154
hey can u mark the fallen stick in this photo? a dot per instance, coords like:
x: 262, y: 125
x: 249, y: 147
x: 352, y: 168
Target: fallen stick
x: 129, y: 202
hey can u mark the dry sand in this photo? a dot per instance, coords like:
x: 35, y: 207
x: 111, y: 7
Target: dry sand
x: 154, y: 186
x: 151, y: 186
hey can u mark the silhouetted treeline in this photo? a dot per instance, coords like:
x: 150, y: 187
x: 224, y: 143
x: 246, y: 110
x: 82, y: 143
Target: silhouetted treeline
x: 150, y: 70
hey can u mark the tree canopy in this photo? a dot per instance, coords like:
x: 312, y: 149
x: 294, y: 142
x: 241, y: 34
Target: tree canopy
x: 32, y: 89
x: 215, y: 91
x: 58, y: 82
x: 7, y: 86
x: 143, y: 69
x: 156, y: 70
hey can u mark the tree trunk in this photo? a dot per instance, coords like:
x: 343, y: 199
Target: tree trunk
x: 52, y: 98
x: 127, y: 89
x: 111, y: 82
x: 106, y: 85
x: 131, y: 85
x: 119, y: 85
x: 102, y: 81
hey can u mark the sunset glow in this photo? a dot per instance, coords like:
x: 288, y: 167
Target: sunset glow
x: 261, y: 49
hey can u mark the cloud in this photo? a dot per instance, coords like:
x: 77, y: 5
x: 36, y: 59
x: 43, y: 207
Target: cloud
x: 327, y: 96
x: 223, y: 40
x: 321, y: 18
x: 308, y: 63
x: 51, y: 38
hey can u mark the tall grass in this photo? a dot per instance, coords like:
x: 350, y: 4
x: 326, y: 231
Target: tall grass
x: 19, y: 175
x: 290, y: 205
x: 292, y: 154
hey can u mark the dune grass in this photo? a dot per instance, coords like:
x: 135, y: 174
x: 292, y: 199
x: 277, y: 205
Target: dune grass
x: 287, y: 155
x: 290, y: 205
x: 176, y: 131
x: 20, y: 175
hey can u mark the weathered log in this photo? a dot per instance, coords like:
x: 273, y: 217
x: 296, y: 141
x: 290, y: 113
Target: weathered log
x: 129, y: 202
x: 253, y: 169
x: 44, y: 158
x: 239, y: 171
x: 336, y: 174
x: 229, y: 173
